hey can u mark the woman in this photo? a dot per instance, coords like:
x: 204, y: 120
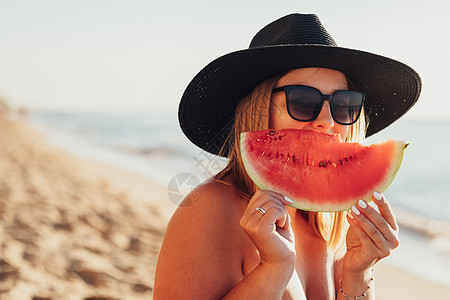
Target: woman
x: 234, y: 241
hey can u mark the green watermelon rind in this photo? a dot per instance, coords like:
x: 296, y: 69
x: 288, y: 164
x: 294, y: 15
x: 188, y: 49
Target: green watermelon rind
x: 341, y: 205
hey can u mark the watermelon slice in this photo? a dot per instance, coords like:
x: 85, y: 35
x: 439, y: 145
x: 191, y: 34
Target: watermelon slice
x: 317, y: 170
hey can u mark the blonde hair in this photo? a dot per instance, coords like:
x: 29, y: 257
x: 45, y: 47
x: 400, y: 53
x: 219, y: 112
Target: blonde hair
x: 252, y: 113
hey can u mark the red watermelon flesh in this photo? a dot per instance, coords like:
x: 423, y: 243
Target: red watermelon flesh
x: 317, y: 170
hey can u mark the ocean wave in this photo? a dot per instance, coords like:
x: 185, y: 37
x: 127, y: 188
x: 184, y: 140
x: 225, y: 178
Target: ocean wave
x: 436, y: 231
x: 153, y: 152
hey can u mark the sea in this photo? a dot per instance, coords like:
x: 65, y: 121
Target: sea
x: 154, y: 146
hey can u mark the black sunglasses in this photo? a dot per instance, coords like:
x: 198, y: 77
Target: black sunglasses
x: 304, y: 103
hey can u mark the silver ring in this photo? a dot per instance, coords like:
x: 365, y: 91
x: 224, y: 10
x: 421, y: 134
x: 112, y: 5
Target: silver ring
x: 261, y: 210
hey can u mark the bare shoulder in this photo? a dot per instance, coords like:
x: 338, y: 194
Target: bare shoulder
x: 209, y: 209
x: 201, y: 256
x: 212, y: 202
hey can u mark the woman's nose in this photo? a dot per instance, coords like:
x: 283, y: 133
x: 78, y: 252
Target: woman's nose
x: 324, y: 120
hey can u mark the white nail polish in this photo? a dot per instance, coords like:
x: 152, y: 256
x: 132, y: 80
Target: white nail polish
x: 288, y: 199
x: 355, y: 210
x: 362, y: 203
x: 377, y: 196
x: 350, y: 215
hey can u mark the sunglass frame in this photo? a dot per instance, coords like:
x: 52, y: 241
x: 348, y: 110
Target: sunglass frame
x: 287, y: 88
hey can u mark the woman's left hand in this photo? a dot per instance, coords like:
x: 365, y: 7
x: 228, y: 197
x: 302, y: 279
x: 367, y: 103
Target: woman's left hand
x: 372, y: 235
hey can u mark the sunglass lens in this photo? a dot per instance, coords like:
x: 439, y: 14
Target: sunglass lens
x: 346, y: 106
x: 304, y: 103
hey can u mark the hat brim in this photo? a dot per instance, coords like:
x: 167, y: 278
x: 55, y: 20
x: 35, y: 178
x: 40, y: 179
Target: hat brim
x: 206, y: 110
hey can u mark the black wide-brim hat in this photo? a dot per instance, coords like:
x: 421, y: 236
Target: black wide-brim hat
x: 207, y: 107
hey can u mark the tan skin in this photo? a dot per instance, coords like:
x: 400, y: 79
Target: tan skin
x: 221, y: 247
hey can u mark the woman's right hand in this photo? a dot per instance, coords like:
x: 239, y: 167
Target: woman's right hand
x: 271, y: 233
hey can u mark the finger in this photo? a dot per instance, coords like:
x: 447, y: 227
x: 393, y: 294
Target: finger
x: 259, y: 212
x: 286, y: 230
x: 365, y: 240
x: 264, y: 200
x: 378, y: 222
x: 281, y: 197
x: 265, y: 203
x: 278, y: 196
x: 283, y: 222
x: 369, y: 229
x: 252, y: 217
x: 288, y: 221
x: 276, y: 216
x: 385, y: 210
x: 267, y: 223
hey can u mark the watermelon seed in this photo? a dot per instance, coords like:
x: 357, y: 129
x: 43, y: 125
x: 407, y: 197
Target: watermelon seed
x: 280, y: 137
x: 275, y: 138
x: 329, y: 162
x: 334, y: 165
x: 258, y: 140
x: 351, y: 157
x: 346, y: 159
x: 293, y: 158
x: 282, y: 155
x: 272, y: 132
x: 264, y: 152
x: 340, y: 161
x: 323, y: 164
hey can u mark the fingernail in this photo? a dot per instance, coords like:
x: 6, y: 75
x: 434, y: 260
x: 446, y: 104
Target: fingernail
x: 350, y: 215
x: 377, y: 196
x: 288, y: 199
x: 355, y: 210
x: 362, y: 203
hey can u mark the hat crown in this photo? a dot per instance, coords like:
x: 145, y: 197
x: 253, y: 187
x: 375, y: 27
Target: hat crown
x: 300, y: 29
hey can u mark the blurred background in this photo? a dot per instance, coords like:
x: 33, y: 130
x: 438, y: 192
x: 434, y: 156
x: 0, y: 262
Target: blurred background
x: 103, y: 79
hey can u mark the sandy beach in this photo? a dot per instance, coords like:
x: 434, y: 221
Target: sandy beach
x: 76, y: 229
x: 72, y: 229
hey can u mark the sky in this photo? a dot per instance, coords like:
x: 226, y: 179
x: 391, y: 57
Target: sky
x: 138, y: 56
